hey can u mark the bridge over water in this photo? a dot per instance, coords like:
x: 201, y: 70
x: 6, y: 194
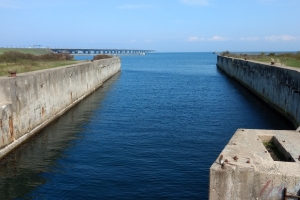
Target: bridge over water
x: 100, y: 51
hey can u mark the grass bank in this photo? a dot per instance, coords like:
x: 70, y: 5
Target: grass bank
x: 15, y: 61
x: 26, y: 50
x: 28, y: 66
x: 283, y: 59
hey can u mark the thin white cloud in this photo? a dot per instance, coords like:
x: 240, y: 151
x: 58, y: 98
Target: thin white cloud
x: 133, y: 6
x: 249, y: 38
x: 195, y: 2
x: 213, y: 38
x: 193, y: 39
x: 148, y: 41
x: 275, y: 38
x: 218, y: 38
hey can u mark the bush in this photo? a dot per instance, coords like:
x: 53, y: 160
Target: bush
x: 225, y: 53
x: 101, y: 56
x: 56, y: 56
x: 271, y: 54
x: 15, y: 56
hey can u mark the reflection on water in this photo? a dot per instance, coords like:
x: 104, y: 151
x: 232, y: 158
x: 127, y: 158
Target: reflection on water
x: 151, y: 132
x: 22, y: 170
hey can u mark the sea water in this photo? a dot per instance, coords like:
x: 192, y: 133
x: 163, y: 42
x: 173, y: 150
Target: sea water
x: 150, y: 132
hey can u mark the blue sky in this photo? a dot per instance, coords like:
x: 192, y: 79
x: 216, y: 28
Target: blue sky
x: 161, y: 25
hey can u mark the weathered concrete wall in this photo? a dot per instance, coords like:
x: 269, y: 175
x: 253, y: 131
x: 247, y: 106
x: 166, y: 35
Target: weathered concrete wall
x: 30, y: 101
x: 277, y: 85
x: 246, y: 170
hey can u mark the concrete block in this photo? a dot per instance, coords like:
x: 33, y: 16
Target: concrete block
x: 252, y: 170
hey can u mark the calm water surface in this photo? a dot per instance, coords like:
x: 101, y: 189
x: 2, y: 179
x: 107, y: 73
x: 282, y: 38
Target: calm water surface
x: 152, y: 131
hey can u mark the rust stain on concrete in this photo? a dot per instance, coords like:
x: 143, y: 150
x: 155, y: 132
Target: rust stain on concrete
x: 1, y: 126
x: 11, y: 127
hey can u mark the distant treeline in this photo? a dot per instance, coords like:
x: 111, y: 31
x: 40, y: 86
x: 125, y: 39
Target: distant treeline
x: 15, y: 56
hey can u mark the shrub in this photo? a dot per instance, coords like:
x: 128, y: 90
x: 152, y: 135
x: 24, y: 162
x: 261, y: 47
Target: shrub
x: 298, y: 55
x: 225, y: 53
x: 15, y: 56
x: 56, y: 56
x: 101, y: 56
x: 271, y: 54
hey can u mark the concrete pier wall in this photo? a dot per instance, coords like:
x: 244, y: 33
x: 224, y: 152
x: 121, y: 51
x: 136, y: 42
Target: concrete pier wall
x: 32, y: 100
x: 247, y: 167
x: 277, y: 85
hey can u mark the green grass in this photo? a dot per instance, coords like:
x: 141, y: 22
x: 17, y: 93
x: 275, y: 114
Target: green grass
x: 282, y: 59
x: 274, y: 152
x: 292, y: 63
x: 33, y: 51
x: 269, y: 145
x: 262, y: 59
x: 26, y: 61
x: 28, y: 66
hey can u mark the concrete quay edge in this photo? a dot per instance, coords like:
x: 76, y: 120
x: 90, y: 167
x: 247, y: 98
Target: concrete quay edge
x: 16, y: 93
x: 245, y: 168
